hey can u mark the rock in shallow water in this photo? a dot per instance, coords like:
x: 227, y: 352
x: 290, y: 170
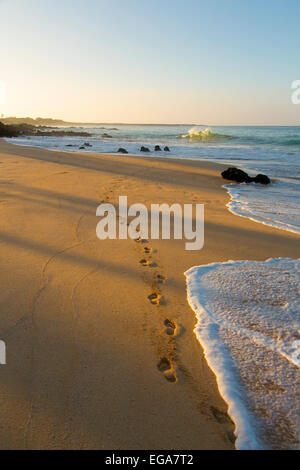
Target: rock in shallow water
x: 235, y: 174
x: 262, y: 179
x: 121, y: 150
x: 240, y: 176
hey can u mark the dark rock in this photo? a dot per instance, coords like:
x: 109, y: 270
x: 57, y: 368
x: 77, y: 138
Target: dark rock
x: 121, y: 150
x: 262, y: 179
x: 82, y: 147
x: 87, y: 144
x: 107, y: 136
x: 240, y: 176
x: 70, y: 145
x: 157, y: 148
x: 8, y: 131
x: 17, y: 130
x: 56, y: 133
x: 166, y: 149
x: 234, y: 174
x: 145, y: 149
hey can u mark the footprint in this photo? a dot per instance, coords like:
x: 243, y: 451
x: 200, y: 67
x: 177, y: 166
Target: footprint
x: 220, y: 416
x: 160, y: 278
x: 165, y: 366
x: 224, y: 419
x: 155, y: 299
x: 170, y: 376
x: 171, y: 327
x: 153, y: 265
x: 147, y: 250
x: 144, y: 262
x: 140, y: 240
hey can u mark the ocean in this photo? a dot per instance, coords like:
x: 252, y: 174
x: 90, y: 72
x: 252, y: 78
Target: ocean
x: 250, y: 334
x: 274, y: 151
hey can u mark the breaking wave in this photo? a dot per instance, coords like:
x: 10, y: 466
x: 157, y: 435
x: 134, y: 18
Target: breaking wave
x: 205, y: 135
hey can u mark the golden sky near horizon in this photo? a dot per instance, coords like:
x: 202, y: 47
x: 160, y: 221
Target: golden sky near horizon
x: 99, y: 62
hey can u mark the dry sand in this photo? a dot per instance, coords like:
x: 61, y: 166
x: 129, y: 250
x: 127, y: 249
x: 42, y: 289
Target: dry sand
x: 83, y: 340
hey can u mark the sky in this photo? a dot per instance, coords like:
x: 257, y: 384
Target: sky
x: 215, y: 62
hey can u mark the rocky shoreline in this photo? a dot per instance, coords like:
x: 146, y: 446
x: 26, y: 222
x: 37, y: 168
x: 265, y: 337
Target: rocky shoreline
x: 17, y: 130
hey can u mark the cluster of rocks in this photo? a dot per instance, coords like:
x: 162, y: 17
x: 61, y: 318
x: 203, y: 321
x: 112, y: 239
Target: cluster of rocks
x: 240, y: 176
x: 58, y: 133
x: 156, y: 149
x: 8, y: 131
x: 146, y: 149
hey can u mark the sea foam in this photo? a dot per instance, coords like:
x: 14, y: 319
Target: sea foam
x: 249, y: 327
x: 203, y: 134
x: 276, y: 205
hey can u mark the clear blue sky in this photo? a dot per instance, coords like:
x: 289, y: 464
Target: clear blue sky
x: 214, y: 61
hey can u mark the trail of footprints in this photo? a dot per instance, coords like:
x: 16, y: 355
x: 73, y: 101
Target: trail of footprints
x: 164, y: 365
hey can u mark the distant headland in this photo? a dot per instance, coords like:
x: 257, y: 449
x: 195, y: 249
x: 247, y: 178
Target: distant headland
x: 50, y: 122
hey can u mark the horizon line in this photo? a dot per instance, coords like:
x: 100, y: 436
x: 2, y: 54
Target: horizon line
x: 62, y: 121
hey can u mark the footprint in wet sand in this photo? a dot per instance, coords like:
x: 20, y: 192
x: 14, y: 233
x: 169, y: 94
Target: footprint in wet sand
x: 165, y: 366
x: 170, y: 376
x: 144, y: 262
x: 171, y: 329
x: 140, y: 240
x: 153, y: 265
x: 160, y: 278
x: 155, y: 298
x: 224, y: 419
x: 220, y: 416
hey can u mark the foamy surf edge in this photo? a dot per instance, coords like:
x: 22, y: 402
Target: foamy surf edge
x: 235, y: 207
x: 220, y: 361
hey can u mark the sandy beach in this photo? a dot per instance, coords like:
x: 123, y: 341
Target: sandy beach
x: 83, y: 340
